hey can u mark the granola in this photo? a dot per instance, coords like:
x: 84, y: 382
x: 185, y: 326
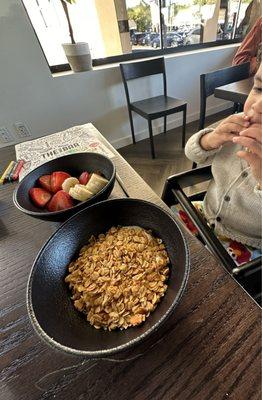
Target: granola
x: 119, y: 278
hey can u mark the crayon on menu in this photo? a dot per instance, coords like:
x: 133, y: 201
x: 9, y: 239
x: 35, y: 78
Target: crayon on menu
x: 17, y: 170
x: 9, y: 177
x: 6, y: 172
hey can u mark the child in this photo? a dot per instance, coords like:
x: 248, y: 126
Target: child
x: 232, y: 205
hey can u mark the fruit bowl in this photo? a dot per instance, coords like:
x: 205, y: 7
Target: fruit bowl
x: 73, y: 164
x: 49, y: 303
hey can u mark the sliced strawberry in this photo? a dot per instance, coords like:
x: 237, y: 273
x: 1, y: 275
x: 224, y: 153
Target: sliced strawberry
x: 40, y: 197
x: 84, y: 178
x: 45, y: 182
x: 60, y: 201
x: 57, y: 179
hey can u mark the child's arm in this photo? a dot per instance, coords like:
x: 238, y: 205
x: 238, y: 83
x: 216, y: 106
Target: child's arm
x: 202, y: 146
x: 251, y: 138
x: 195, y: 152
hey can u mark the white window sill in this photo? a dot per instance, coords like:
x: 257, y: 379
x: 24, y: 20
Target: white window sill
x: 167, y: 56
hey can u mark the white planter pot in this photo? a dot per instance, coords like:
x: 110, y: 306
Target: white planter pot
x: 78, y: 56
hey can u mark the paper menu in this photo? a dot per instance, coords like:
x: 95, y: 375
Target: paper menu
x: 82, y: 138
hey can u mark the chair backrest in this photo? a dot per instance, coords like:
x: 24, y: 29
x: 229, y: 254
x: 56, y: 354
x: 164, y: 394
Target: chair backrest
x: 212, y: 80
x: 141, y: 69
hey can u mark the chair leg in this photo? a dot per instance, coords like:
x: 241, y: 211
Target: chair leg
x: 151, y: 138
x: 235, y: 107
x: 240, y: 107
x: 131, y: 125
x: 165, y: 118
x: 184, y: 128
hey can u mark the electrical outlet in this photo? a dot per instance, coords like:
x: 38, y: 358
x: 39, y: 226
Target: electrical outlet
x: 21, y: 129
x: 5, y: 135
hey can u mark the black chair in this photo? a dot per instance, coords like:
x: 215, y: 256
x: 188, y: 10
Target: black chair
x: 212, y: 80
x: 249, y: 274
x: 153, y: 107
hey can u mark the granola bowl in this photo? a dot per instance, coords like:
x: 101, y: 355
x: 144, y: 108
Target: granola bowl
x: 49, y: 299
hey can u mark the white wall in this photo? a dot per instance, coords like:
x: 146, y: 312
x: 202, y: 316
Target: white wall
x: 30, y: 94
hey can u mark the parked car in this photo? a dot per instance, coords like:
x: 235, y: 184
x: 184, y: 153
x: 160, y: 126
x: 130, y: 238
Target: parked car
x: 184, y: 29
x: 223, y: 32
x: 172, y: 39
x: 149, y: 38
x: 193, y: 36
x: 181, y: 33
x: 137, y: 38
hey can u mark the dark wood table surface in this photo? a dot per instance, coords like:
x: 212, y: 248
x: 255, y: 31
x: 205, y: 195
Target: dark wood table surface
x: 209, y: 349
x: 236, y: 92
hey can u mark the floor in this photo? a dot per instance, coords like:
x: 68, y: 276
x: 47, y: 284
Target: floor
x: 170, y: 158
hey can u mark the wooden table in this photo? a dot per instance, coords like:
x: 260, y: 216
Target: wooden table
x: 208, y: 350
x: 236, y: 92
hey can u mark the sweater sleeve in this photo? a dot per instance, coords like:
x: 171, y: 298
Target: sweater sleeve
x: 258, y: 191
x: 195, y: 152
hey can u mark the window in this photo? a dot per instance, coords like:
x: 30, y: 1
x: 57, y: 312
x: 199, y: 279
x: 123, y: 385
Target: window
x: 125, y: 29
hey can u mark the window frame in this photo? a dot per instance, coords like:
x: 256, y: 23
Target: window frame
x: 137, y: 55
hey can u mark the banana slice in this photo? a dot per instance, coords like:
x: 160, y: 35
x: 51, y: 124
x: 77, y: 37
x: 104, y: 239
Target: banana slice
x: 96, y: 183
x: 80, y: 192
x: 69, y: 183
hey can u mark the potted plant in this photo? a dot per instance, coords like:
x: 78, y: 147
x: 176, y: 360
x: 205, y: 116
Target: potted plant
x: 78, y: 54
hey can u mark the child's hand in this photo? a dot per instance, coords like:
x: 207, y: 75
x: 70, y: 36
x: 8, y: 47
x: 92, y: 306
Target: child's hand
x: 251, y: 138
x: 224, y: 132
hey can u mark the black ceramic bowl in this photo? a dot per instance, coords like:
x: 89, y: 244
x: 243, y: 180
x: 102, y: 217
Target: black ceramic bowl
x: 74, y: 164
x: 48, y: 297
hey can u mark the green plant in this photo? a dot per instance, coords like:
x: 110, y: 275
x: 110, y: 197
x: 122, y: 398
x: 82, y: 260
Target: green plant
x: 64, y: 5
x: 141, y: 15
x: 65, y: 8
x: 204, y: 2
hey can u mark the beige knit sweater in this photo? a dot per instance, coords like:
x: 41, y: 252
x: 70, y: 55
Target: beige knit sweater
x: 233, y: 202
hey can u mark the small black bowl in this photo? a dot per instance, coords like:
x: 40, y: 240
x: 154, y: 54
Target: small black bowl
x: 74, y: 164
x: 48, y: 297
